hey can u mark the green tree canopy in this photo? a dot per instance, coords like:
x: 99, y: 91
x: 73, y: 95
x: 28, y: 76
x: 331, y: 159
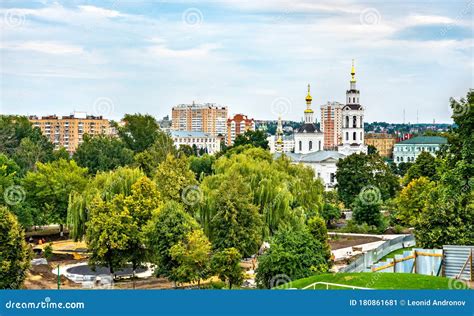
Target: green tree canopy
x: 412, y: 200
x: 424, y: 166
x: 255, y: 138
x: 48, y: 189
x: 139, y: 131
x: 292, y: 255
x: 169, y: 225
x: 367, y: 210
x: 357, y: 171
x: 102, y: 153
x: 226, y: 264
x: 14, y: 253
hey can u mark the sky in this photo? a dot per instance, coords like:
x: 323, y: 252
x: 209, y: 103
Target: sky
x: 256, y: 57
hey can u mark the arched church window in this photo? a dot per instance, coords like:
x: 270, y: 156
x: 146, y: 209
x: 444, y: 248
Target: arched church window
x: 310, y: 144
x: 347, y: 135
x: 354, y: 121
x: 347, y: 121
x: 354, y: 100
x: 300, y: 145
x: 319, y: 145
x: 354, y: 136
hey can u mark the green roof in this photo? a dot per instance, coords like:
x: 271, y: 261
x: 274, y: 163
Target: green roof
x: 425, y: 140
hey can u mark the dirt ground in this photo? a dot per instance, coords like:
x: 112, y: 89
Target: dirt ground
x: 349, y: 241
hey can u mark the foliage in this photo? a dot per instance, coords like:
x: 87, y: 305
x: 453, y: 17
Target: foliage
x: 371, y: 149
x: 294, y: 254
x: 285, y: 193
x: 369, y: 213
x: 169, y: 225
x: 173, y: 176
x: 105, y: 185
x: 14, y: 252
x: 424, y: 166
x: 202, y: 166
x: 49, y: 187
x: 25, y: 144
x: 102, y: 153
x: 358, y: 171
x: 236, y: 223
x: 412, y: 199
x: 48, y: 251
x: 226, y: 264
x: 317, y: 228
x: 108, y: 233
x: 255, y: 138
x: 193, y: 256
x: 330, y: 213
x: 139, y: 131
x: 364, y: 228
x: 149, y: 159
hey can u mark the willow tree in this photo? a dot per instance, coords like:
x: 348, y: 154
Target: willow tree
x: 105, y: 186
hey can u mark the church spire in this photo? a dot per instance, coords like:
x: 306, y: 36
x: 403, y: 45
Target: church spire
x: 353, y: 72
x: 308, y: 113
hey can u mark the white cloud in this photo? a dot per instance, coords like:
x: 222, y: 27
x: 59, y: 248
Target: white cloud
x: 43, y: 47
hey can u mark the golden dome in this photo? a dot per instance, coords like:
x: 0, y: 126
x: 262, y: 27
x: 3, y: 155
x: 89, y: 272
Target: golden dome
x: 308, y: 97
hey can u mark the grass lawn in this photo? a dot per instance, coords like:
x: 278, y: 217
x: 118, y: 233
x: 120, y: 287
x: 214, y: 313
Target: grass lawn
x: 396, y: 252
x: 374, y: 280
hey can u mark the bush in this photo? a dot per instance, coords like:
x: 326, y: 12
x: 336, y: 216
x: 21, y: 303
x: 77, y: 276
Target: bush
x: 48, y: 251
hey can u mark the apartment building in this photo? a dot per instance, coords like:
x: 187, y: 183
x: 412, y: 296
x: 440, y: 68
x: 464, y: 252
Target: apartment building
x: 207, y: 118
x: 237, y: 125
x: 68, y: 131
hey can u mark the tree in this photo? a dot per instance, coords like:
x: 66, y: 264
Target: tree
x: 236, y: 223
x: 173, y: 176
x: 317, y: 228
x: 330, y: 213
x: 372, y: 150
x: 448, y: 215
x: 29, y: 152
x: 149, y: 159
x: 292, y: 255
x: 424, y: 166
x: 202, y: 166
x: 255, y: 138
x: 412, y: 200
x: 226, y: 264
x: 168, y: 226
x: 102, y: 153
x: 14, y: 252
x: 139, y: 131
x: 359, y: 171
x: 367, y: 211
x: 49, y: 187
x: 193, y: 258
x: 106, y: 185
x: 108, y: 233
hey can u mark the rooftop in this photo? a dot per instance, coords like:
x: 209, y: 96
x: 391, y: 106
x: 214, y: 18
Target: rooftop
x: 425, y: 140
x: 189, y: 134
x: 317, y: 156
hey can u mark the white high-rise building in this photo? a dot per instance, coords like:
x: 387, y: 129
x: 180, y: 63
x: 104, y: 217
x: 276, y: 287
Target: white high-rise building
x: 352, y: 121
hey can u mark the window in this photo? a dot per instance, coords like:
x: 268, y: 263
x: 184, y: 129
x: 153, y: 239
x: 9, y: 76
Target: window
x: 347, y: 121
x: 331, y: 177
x: 361, y: 136
x: 354, y: 121
x: 301, y: 145
x: 354, y: 136
x: 347, y: 135
x: 353, y: 100
x: 310, y: 144
x: 319, y: 145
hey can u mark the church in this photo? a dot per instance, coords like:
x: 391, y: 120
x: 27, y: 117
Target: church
x: 306, y: 144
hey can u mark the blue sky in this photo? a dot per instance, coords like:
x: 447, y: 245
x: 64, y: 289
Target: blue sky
x: 257, y: 57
